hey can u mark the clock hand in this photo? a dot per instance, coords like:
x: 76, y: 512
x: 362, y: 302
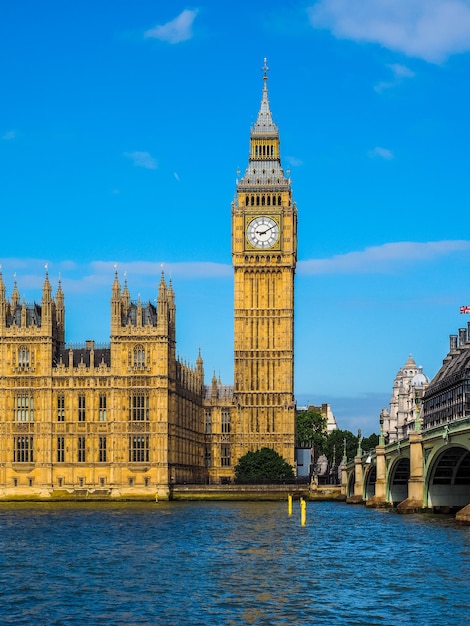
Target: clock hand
x: 263, y: 232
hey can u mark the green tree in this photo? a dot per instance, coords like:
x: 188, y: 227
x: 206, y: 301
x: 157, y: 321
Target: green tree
x: 334, y: 445
x: 310, y: 431
x: 370, y: 442
x: 262, y: 466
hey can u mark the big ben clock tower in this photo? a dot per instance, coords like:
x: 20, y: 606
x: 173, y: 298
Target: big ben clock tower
x: 264, y: 253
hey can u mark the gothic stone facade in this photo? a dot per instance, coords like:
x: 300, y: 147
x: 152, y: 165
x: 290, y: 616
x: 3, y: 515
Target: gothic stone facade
x: 131, y: 420
x: 122, y: 420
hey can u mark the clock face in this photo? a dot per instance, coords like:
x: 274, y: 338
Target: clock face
x: 263, y: 232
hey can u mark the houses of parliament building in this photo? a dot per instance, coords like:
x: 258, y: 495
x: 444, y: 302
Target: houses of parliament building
x: 130, y: 419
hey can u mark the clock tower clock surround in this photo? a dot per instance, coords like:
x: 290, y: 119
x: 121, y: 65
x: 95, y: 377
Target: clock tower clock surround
x: 264, y: 255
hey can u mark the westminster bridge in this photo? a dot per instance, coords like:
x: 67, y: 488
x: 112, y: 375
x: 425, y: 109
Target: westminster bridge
x: 427, y: 469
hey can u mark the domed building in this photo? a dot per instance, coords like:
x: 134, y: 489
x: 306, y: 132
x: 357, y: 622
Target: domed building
x: 408, y: 388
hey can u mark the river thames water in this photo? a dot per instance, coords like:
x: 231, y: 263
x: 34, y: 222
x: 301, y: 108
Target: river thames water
x: 229, y: 563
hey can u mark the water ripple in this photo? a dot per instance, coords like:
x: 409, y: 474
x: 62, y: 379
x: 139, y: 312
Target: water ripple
x: 229, y: 563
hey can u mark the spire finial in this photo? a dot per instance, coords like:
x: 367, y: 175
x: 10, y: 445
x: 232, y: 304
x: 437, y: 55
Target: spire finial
x: 264, y: 124
x: 265, y: 68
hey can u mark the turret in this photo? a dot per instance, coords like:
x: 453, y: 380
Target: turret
x: 23, y: 314
x: 3, y: 304
x: 15, y: 296
x: 47, y: 302
x: 172, y: 310
x: 139, y: 313
x: 162, y: 305
x: 200, y: 366
x: 60, y: 315
x: 116, y: 305
x: 125, y: 299
x: 214, y: 393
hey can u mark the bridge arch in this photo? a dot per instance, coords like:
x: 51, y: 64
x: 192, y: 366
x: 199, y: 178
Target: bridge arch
x: 398, y: 476
x: 447, y: 483
x: 350, y: 485
x: 370, y: 478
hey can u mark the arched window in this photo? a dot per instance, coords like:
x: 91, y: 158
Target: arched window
x: 139, y: 356
x: 24, y: 408
x: 23, y: 356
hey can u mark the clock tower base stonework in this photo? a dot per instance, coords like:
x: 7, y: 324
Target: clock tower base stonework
x: 264, y: 254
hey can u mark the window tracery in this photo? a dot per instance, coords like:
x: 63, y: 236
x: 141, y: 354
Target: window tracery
x: 23, y: 356
x: 139, y: 356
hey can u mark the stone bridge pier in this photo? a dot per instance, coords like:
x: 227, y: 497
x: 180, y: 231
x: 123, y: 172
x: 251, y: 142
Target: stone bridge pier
x: 428, y: 470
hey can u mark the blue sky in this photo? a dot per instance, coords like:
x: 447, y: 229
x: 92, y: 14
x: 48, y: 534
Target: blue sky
x: 123, y: 126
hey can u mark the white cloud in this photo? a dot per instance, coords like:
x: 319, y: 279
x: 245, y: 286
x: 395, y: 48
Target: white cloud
x: 175, y: 31
x: 200, y: 269
x: 431, y: 30
x: 176, y: 175
x: 9, y: 135
x: 382, y: 259
x: 142, y: 159
x: 382, y: 153
x: 400, y: 72
x: 98, y: 275
x: 293, y: 161
x: 94, y: 277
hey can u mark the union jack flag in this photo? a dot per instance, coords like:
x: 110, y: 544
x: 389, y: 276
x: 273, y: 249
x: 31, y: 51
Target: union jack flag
x: 465, y: 309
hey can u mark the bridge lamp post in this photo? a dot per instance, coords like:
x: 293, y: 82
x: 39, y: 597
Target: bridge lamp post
x: 417, y: 425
